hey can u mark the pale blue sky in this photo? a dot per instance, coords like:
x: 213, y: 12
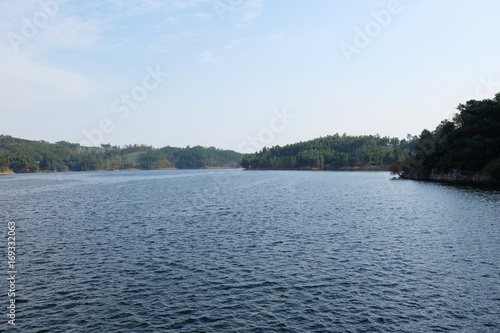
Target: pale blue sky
x: 233, y: 65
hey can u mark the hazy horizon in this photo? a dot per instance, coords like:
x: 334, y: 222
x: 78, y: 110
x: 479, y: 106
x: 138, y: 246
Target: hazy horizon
x: 240, y: 75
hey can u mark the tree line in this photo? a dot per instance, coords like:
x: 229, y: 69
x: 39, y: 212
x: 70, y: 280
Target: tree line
x: 20, y: 155
x: 468, y: 144
x: 333, y: 152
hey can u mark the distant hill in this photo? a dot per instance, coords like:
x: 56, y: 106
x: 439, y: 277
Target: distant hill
x: 466, y: 148
x: 333, y: 152
x: 19, y: 155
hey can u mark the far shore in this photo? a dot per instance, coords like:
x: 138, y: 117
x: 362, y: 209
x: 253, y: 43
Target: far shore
x: 355, y: 168
x: 115, y: 170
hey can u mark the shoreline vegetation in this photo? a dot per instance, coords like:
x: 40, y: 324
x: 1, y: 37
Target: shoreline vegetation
x: 333, y: 153
x: 347, y: 169
x: 121, y: 170
x: 28, y: 156
x: 465, y: 149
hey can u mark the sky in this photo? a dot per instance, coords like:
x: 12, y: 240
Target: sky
x: 240, y: 74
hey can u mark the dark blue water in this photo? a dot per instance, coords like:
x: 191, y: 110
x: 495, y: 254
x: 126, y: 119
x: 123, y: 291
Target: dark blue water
x: 235, y: 251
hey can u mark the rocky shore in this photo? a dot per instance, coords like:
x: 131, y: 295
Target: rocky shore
x: 454, y: 176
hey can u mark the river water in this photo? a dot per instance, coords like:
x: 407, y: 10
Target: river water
x: 250, y: 251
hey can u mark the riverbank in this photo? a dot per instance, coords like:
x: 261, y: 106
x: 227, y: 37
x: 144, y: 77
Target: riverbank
x: 354, y: 168
x: 454, y: 176
x: 116, y: 170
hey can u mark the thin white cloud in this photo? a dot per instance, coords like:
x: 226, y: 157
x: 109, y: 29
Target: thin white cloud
x: 253, y: 9
x: 202, y: 15
x: 248, y: 11
x: 137, y: 7
x: 170, y: 19
x: 72, y: 32
x: 148, y: 48
x: 214, y: 54
x: 180, y: 35
x: 163, y: 43
x: 233, y: 44
x: 187, y: 4
x: 279, y: 35
x: 207, y: 56
x: 43, y: 85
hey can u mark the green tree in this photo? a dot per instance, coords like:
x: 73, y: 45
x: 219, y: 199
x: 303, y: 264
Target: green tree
x: 21, y: 164
x: 470, y: 143
x: 4, y: 163
x: 328, y: 153
x: 52, y: 162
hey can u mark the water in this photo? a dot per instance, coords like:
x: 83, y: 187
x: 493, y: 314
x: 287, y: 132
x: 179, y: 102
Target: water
x: 236, y: 251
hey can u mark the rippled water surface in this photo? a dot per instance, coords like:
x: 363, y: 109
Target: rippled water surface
x: 236, y: 251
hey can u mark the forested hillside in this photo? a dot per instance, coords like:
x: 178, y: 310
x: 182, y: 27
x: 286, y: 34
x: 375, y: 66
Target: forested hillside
x: 335, y: 152
x: 467, y: 145
x: 19, y: 155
